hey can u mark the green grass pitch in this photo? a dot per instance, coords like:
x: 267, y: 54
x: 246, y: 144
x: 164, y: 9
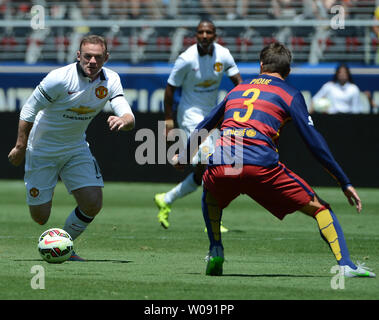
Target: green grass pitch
x: 131, y: 257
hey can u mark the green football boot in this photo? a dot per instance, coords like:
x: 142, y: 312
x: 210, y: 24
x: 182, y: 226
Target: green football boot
x: 215, y: 260
x: 164, y: 210
x: 360, y: 272
x: 223, y: 229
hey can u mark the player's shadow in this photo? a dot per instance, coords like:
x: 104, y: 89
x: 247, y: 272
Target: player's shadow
x: 89, y: 260
x: 109, y: 260
x: 278, y: 275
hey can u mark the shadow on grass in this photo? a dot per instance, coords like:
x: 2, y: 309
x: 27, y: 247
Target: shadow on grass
x: 89, y: 260
x: 279, y: 275
x: 108, y: 260
x: 272, y: 275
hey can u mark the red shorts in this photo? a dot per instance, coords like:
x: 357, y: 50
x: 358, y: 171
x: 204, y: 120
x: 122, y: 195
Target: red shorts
x: 277, y: 189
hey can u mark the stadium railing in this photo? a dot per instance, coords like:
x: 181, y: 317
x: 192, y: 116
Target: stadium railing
x: 159, y: 32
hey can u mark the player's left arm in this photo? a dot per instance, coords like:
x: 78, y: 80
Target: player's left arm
x: 124, y: 119
x: 319, y: 148
x: 314, y: 140
x: 236, y: 79
x: 231, y: 69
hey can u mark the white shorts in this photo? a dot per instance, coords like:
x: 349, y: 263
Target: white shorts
x: 188, y: 119
x: 75, y: 170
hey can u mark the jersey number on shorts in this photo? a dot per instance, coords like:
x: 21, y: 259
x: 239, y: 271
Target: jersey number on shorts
x: 249, y: 103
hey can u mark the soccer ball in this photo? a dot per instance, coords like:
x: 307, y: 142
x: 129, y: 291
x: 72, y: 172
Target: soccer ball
x: 55, y: 245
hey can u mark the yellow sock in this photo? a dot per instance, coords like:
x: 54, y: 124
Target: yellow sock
x: 326, y: 225
x: 214, y: 214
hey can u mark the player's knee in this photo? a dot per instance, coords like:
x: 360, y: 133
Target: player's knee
x: 40, y: 221
x: 96, y: 208
x: 314, y: 206
x: 89, y: 200
x: 40, y: 214
x: 92, y: 207
x: 312, y: 209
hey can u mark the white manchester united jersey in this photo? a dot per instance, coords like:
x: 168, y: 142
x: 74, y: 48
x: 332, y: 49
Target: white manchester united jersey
x: 63, y: 105
x: 200, y: 76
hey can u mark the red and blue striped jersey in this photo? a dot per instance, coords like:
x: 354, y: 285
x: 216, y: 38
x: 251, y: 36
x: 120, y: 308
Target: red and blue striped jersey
x: 251, y: 118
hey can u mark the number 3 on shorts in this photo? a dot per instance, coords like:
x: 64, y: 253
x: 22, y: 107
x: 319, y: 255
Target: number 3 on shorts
x: 249, y: 103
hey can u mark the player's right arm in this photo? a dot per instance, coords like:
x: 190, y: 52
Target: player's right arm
x: 17, y: 154
x: 42, y: 97
x: 175, y: 80
x: 168, y: 103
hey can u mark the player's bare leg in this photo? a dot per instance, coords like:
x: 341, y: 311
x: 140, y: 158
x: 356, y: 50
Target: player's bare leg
x: 89, y: 200
x: 165, y: 200
x: 187, y: 186
x: 40, y: 213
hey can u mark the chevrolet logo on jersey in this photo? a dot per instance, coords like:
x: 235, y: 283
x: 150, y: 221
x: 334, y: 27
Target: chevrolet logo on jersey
x: 206, y: 83
x: 81, y: 110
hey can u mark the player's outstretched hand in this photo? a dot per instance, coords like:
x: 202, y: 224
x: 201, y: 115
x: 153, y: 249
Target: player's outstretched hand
x: 353, y: 198
x: 16, y: 156
x: 124, y: 123
x: 176, y: 164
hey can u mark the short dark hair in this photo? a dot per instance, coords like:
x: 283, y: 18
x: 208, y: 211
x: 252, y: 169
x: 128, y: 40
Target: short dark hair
x: 206, y: 20
x: 276, y: 58
x: 94, y: 39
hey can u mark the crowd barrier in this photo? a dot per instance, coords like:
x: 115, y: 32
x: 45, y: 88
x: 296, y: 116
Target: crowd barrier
x: 353, y: 139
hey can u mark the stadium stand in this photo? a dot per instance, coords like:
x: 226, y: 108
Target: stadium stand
x: 142, y: 31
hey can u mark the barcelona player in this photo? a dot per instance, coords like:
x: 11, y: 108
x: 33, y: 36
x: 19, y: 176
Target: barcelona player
x: 246, y: 159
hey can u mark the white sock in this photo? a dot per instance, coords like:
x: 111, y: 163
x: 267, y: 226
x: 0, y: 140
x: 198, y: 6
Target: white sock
x: 76, y: 223
x: 187, y: 186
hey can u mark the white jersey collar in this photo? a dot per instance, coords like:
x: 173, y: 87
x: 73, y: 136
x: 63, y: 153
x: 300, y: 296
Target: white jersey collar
x: 82, y: 74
